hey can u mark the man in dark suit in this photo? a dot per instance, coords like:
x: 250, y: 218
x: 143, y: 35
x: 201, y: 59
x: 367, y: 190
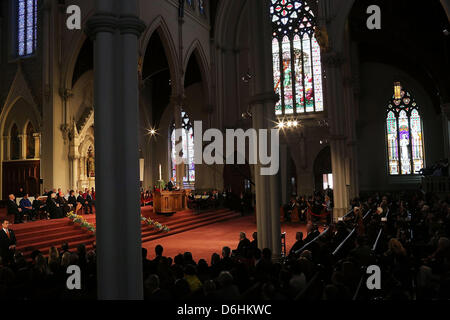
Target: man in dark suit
x: 7, y: 243
x: 38, y: 206
x: 89, y: 200
x: 289, y: 208
x: 254, y: 243
x: 63, y: 203
x: 170, y: 185
x: 72, y: 201
x: 312, y: 232
x: 53, y: 208
x: 14, y: 209
x: 81, y: 199
x: 298, y: 244
x: 244, y: 244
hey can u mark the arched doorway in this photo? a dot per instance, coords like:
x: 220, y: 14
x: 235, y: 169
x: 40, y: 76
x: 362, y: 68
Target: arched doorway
x: 323, y: 176
x: 237, y: 177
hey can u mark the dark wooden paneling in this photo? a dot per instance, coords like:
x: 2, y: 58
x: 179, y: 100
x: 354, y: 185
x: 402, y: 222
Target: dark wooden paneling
x: 18, y: 174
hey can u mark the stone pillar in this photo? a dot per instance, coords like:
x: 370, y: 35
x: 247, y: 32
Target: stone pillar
x: 115, y: 27
x: 177, y: 102
x: 262, y: 102
x: 285, y: 180
x: 446, y: 128
x: 332, y: 64
x: 74, y: 172
x: 7, y: 143
x: 54, y: 164
x: 37, y: 145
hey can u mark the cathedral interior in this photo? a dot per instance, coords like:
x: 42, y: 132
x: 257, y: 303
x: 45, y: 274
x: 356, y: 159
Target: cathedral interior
x: 359, y: 110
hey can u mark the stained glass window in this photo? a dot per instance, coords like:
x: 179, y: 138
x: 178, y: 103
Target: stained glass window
x: 188, y: 150
x: 404, y: 136
x: 201, y: 6
x: 190, y: 3
x: 26, y: 27
x: 297, y: 68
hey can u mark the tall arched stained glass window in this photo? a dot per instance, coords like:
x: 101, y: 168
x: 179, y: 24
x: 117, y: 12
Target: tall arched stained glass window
x: 297, y: 68
x: 188, y: 150
x: 26, y: 26
x: 404, y: 135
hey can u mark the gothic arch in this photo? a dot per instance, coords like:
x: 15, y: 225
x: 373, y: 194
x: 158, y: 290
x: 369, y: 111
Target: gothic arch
x: 20, y: 91
x: 196, y: 50
x: 78, y: 38
x: 159, y: 25
x: 228, y: 21
x: 86, y: 143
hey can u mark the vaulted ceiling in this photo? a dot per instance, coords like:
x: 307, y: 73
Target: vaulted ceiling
x: 411, y: 38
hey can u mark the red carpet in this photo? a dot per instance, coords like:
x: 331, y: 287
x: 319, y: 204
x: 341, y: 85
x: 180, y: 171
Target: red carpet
x: 203, y: 242
x: 201, y: 233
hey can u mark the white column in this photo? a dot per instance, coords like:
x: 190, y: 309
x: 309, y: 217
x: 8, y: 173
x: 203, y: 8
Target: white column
x: 37, y: 145
x: 115, y: 26
x: 177, y: 102
x: 332, y: 63
x: 75, y: 172
x: 262, y: 101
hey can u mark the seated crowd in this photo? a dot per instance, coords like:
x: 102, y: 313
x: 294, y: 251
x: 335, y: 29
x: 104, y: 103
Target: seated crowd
x: 406, y: 235
x: 53, y: 204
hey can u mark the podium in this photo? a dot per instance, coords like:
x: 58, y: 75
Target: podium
x: 167, y: 202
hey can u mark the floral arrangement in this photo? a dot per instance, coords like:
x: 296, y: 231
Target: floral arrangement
x: 155, y: 224
x: 81, y: 221
x: 89, y: 226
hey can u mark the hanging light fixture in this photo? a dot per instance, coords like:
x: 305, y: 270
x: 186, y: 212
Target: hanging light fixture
x: 397, y: 90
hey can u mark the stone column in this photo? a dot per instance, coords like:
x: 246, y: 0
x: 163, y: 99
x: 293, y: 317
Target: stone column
x: 332, y: 64
x: 7, y: 143
x: 74, y: 171
x: 37, y: 145
x: 446, y: 128
x: 115, y: 27
x: 285, y: 180
x: 177, y: 102
x: 262, y: 101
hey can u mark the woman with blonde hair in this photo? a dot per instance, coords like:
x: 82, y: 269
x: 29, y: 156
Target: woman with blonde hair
x: 396, y: 261
x: 65, y: 260
x: 396, y: 247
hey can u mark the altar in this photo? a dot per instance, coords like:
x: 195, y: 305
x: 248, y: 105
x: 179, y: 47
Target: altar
x: 166, y: 202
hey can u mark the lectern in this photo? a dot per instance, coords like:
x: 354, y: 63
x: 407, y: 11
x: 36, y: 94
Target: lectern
x: 167, y: 202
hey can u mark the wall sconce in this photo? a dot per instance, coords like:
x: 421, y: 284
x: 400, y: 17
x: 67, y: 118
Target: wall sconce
x: 246, y: 115
x: 152, y: 132
x: 397, y: 90
x: 247, y: 77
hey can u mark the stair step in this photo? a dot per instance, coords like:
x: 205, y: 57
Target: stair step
x: 42, y: 235
x: 187, y: 228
